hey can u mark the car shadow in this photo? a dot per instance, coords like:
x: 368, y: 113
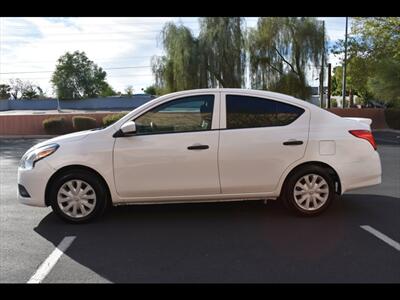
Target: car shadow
x: 212, y: 242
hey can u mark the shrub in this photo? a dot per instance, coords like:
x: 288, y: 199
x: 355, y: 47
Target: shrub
x: 110, y: 119
x: 392, y: 116
x: 54, y: 125
x: 83, y: 123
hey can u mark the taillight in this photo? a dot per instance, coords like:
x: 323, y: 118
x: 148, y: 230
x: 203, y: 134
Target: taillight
x: 366, y: 135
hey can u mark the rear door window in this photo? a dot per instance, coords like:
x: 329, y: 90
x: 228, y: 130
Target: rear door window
x: 250, y: 112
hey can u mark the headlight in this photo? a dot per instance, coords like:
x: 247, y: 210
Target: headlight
x: 31, y: 157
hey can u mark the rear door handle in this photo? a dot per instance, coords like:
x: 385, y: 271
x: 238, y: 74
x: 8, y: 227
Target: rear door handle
x: 293, y: 143
x: 198, y: 147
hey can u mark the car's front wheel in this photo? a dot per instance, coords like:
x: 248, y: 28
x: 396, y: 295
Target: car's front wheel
x: 78, y: 196
x: 309, y: 191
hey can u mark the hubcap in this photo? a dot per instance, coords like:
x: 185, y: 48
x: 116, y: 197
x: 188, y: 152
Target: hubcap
x: 76, y: 198
x: 311, y: 192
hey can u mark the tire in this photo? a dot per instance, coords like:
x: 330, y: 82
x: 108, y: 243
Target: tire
x: 299, y: 190
x: 90, y: 203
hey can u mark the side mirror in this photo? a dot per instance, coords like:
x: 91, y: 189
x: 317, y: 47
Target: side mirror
x: 127, y: 129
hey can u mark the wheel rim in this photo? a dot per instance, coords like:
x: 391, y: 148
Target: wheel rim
x: 76, y: 198
x: 311, y: 192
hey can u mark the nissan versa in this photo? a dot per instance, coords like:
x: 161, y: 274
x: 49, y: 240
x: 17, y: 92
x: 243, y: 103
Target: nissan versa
x: 204, y: 145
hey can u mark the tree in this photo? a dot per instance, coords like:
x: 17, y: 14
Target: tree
x: 385, y: 82
x: 107, y: 90
x: 280, y: 50
x: 215, y: 58
x: 129, y: 90
x: 31, y: 92
x: 5, y: 91
x: 151, y: 90
x: 373, y: 58
x: 20, y: 89
x: 222, y: 42
x: 77, y: 77
x: 179, y: 68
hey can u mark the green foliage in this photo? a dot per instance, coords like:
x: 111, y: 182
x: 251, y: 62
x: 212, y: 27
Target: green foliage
x: 107, y: 91
x: 385, y: 82
x: 54, y: 125
x: 215, y: 58
x: 373, y: 59
x: 129, y: 91
x: 222, y: 43
x: 77, y: 77
x: 280, y: 50
x: 83, y: 123
x: 110, y: 119
x: 392, y: 116
x: 20, y: 89
x: 5, y: 91
x: 151, y: 90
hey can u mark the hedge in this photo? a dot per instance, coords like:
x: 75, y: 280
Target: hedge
x: 83, y: 123
x: 392, y: 116
x: 110, y: 119
x: 54, y: 125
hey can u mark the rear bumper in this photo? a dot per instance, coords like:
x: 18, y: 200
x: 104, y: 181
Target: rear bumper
x: 34, y: 182
x: 359, y: 174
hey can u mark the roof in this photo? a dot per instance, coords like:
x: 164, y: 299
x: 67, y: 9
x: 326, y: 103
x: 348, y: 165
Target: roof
x: 262, y: 93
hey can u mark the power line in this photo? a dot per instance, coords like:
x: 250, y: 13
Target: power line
x: 100, y: 59
x: 77, y: 40
x: 116, y: 68
x: 108, y: 77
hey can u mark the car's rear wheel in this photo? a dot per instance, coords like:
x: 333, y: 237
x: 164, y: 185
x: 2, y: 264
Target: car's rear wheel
x: 78, y: 196
x: 309, y: 191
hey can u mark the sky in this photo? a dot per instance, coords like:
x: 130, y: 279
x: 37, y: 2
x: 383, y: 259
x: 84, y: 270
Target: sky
x: 30, y: 46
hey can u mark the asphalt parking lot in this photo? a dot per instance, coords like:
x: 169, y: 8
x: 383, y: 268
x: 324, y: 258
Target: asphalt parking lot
x: 246, y: 242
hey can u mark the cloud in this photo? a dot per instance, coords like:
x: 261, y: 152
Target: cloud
x: 33, y: 44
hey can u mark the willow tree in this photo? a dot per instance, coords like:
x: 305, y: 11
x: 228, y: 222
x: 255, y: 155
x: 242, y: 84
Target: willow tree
x: 223, y: 45
x: 281, y: 49
x: 215, y: 58
x: 178, y: 69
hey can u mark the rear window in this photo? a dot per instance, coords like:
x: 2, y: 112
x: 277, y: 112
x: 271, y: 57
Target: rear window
x: 249, y: 112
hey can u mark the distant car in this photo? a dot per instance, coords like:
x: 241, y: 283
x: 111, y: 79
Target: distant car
x: 200, y: 146
x: 374, y: 104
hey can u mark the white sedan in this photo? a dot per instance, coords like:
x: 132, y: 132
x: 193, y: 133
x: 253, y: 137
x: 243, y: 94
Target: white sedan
x: 204, y: 145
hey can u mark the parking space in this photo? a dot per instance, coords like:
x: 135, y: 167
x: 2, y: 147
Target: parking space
x: 213, y: 242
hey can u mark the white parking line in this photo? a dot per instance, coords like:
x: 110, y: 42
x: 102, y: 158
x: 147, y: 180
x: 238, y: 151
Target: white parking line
x: 50, y: 261
x: 381, y: 236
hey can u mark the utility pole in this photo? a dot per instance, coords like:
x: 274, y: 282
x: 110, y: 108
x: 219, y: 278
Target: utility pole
x: 329, y: 85
x: 344, y: 67
x: 321, y: 76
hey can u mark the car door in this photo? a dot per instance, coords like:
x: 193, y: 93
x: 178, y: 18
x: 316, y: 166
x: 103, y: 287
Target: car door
x: 174, y: 150
x: 259, y: 139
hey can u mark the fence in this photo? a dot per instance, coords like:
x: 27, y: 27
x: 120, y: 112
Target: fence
x: 107, y: 103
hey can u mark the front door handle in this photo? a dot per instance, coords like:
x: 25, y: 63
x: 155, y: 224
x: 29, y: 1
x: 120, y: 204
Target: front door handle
x: 293, y: 143
x: 198, y: 147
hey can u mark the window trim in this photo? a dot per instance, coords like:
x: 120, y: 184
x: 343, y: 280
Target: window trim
x: 215, y: 113
x: 224, y: 115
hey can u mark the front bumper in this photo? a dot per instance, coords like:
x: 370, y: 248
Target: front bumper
x: 34, y: 181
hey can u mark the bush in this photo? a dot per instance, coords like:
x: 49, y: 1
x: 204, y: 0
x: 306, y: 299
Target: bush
x: 392, y: 116
x: 54, y: 125
x: 110, y: 119
x: 83, y: 123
